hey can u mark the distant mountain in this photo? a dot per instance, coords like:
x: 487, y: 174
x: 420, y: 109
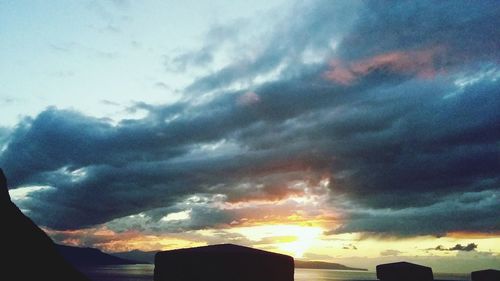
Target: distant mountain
x: 90, y: 256
x: 324, y: 265
x: 145, y: 257
x: 149, y: 257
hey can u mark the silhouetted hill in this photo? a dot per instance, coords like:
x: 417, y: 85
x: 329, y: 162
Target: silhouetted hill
x: 90, y: 256
x: 136, y: 255
x: 324, y: 265
x: 27, y: 253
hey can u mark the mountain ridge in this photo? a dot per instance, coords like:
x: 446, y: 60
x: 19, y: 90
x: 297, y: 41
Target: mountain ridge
x: 324, y: 265
x: 149, y: 257
x: 79, y: 256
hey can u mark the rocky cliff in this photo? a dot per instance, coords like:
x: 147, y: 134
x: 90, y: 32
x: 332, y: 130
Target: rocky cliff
x: 27, y: 252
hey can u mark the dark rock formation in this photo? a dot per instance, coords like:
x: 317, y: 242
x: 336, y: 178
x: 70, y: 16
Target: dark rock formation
x: 485, y: 275
x: 225, y: 262
x: 27, y: 252
x: 404, y: 271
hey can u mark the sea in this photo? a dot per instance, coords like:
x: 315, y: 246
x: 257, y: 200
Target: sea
x: 144, y: 272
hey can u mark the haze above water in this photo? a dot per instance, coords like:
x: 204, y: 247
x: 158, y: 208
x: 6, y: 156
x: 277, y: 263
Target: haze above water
x: 145, y: 272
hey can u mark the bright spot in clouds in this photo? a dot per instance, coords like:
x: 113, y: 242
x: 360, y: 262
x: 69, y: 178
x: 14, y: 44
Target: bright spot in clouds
x: 24, y: 192
x: 291, y: 239
x: 179, y: 216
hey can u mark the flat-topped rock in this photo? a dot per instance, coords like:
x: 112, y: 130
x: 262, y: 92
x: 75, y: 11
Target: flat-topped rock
x: 485, y: 275
x: 224, y: 262
x: 404, y: 271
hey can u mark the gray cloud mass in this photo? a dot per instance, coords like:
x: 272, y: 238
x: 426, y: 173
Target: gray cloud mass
x: 458, y: 247
x: 410, y: 147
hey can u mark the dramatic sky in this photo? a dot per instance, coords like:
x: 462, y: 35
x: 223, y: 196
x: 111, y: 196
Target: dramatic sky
x: 347, y: 131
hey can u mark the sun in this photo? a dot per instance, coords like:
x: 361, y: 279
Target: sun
x: 294, y: 240
x: 305, y: 238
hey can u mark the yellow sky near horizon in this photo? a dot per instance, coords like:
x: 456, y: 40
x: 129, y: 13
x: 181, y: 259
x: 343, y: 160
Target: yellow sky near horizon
x: 299, y: 241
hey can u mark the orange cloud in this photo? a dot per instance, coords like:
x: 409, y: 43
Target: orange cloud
x: 473, y: 235
x: 110, y: 241
x: 422, y: 63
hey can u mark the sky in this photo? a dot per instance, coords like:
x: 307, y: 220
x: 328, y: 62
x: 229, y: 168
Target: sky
x: 357, y: 132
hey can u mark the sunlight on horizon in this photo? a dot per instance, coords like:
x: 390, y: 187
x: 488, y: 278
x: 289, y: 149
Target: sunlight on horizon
x: 291, y: 239
x: 351, y: 132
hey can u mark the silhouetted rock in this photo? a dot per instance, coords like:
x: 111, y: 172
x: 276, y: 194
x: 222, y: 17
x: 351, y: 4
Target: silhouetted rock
x: 89, y: 256
x: 485, y: 275
x: 27, y: 252
x: 225, y: 262
x: 404, y: 271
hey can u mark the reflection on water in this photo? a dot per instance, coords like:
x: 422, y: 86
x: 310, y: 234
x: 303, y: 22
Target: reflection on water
x: 144, y: 272
x: 340, y: 275
x: 136, y: 272
x: 302, y: 274
x: 451, y: 276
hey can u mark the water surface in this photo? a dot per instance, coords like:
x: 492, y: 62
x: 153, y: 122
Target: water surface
x: 144, y: 272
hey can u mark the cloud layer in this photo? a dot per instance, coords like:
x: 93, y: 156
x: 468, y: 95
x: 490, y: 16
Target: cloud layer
x: 393, y: 129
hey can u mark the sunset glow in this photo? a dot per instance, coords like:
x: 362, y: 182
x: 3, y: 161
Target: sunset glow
x: 352, y: 132
x: 290, y: 239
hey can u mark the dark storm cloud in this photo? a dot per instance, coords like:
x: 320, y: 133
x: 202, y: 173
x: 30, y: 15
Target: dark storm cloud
x: 453, y: 213
x: 410, y: 148
x: 102, y: 172
x: 457, y: 138
x: 199, y: 217
x: 467, y: 28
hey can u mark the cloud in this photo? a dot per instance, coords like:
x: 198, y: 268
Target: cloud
x: 437, y: 219
x: 350, y: 247
x: 388, y: 253
x: 385, y: 151
x: 183, y: 61
x: 421, y: 63
x: 466, y: 29
x: 215, y: 39
x: 248, y: 98
x: 4, y: 135
x: 283, y: 47
x: 458, y: 247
